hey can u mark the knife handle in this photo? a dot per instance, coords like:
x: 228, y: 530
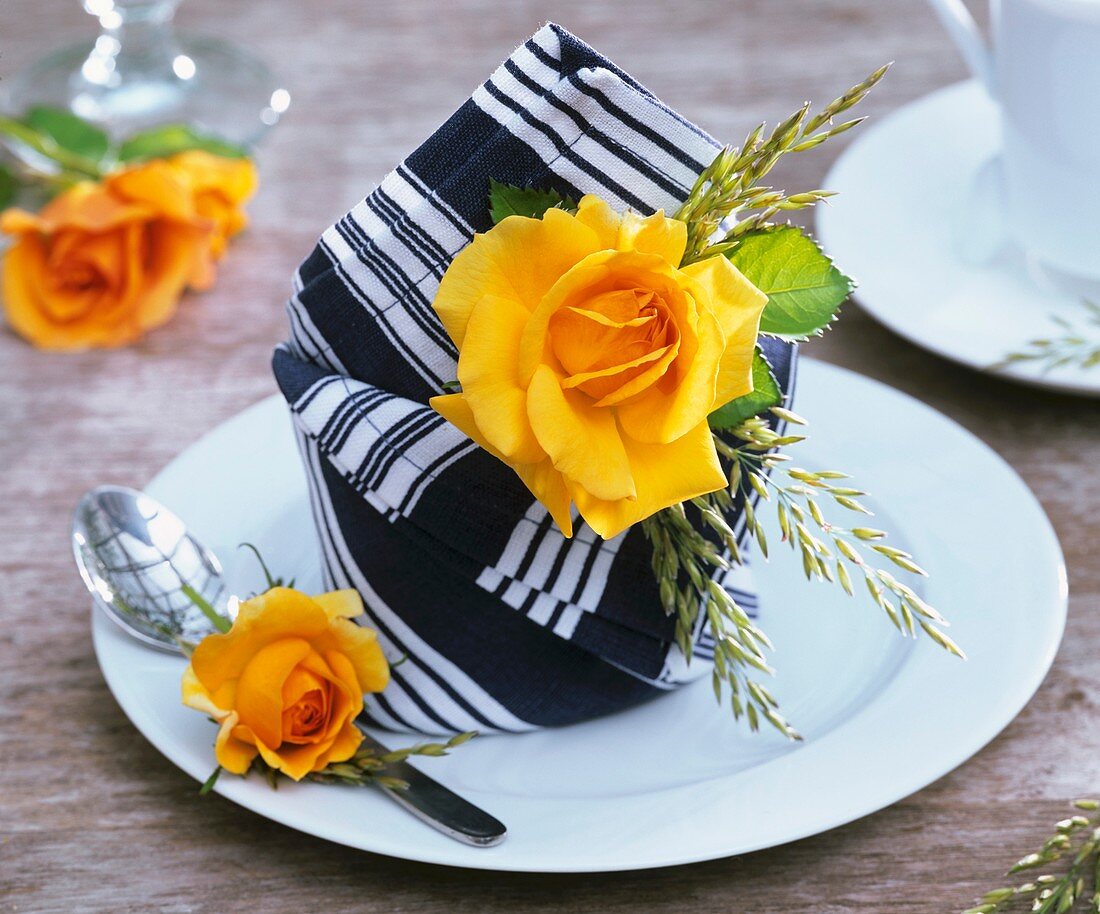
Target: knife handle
x: 439, y: 806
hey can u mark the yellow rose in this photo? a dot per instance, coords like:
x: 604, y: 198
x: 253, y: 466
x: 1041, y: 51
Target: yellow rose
x: 103, y: 263
x: 220, y: 187
x: 589, y: 359
x: 286, y: 682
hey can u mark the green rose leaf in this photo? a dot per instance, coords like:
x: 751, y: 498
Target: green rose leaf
x: 803, y: 286
x: 69, y: 132
x: 765, y: 394
x: 507, y: 200
x: 9, y: 187
x: 170, y: 139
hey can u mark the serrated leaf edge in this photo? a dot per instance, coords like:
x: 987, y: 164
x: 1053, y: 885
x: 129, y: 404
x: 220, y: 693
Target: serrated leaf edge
x: 852, y: 284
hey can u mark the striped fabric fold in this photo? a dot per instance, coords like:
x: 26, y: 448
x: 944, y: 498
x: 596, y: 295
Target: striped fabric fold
x: 506, y: 624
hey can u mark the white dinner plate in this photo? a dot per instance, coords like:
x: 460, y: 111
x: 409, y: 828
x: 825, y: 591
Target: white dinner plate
x: 919, y: 221
x: 676, y: 781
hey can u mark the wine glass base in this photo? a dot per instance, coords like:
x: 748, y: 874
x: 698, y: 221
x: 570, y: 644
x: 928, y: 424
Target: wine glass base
x: 209, y: 84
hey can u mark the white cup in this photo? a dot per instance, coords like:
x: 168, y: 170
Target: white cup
x: 1043, y: 70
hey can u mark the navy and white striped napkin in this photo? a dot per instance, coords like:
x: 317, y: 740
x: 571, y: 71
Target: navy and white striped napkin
x: 507, y: 625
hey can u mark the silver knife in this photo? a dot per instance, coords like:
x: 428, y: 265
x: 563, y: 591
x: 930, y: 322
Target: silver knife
x: 437, y: 806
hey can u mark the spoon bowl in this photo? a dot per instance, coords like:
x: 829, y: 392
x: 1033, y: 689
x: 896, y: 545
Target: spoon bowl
x: 136, y: 556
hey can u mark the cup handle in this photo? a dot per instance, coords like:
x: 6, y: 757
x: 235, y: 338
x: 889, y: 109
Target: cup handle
x: 966, y: 35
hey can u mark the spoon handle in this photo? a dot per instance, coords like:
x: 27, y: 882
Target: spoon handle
x: 436, y: 805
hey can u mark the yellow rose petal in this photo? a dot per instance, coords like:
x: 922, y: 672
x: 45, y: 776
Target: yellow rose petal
x: 608, y: 386
x: 260, y: 621
x: 629, y: 231
x: 455, y: 409
x: 361, y: 648
x: 260, y: 690
x: 602, y: 219
x: 345, y: 743
x: 298, y: 682
x: 593, y: 334
x: 349, y: 688
x: 16, y: 221
x: 85, y: 207
x: 582, y: 440
x: 233, y: 754
x: 219, y: 187
x: 176, y: 261
x: 234, y: 178
x: 488, y: 372
x: 582, y: 281
x: 340, y: 604
x: 225, y: 696
x: 195, y: 696
x: 662, y: 416
x: 737, y: 304
x: 30, y: 308
x: 654, y: 234
x: 665, y: 474
x: 295, y: 761
x: 592, y: 282
x: 157, y: 185
x: 548, y: 485
x: 519, y: 260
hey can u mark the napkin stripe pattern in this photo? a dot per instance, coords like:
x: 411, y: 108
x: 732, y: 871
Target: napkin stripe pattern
x: 427, y: 693
x: 506, y: 625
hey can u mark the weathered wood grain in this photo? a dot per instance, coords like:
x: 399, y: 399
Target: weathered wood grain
x: 93, y: 819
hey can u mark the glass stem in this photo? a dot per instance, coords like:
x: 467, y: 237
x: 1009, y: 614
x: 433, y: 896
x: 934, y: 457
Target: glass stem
x: 139, y: 31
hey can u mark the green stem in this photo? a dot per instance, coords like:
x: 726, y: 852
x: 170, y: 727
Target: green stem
x: 33, y: 140
x: 220, y: 622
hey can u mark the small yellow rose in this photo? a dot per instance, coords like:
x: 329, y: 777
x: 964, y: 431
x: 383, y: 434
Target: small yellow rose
x: 589, y: 359
x: 286, y: 682
x: 103, y: 263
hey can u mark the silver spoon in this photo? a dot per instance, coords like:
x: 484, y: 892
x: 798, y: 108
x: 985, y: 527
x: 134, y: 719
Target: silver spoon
x: 135, y: 556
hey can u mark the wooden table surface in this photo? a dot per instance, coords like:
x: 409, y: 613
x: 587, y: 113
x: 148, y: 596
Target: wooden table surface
x: 93, y: 818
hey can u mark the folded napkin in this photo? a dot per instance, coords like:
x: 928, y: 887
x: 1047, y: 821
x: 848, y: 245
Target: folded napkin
x: 505, y: 624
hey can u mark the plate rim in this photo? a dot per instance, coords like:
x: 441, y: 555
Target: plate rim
x: 824, y: 220
x: 488, y: 860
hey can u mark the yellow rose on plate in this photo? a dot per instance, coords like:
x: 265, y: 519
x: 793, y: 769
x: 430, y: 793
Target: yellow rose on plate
x: 286, y: 682
x: 590, y: 359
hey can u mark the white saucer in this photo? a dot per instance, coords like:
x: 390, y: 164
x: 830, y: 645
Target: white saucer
x: 677, y: 781
x: 917, y: 222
